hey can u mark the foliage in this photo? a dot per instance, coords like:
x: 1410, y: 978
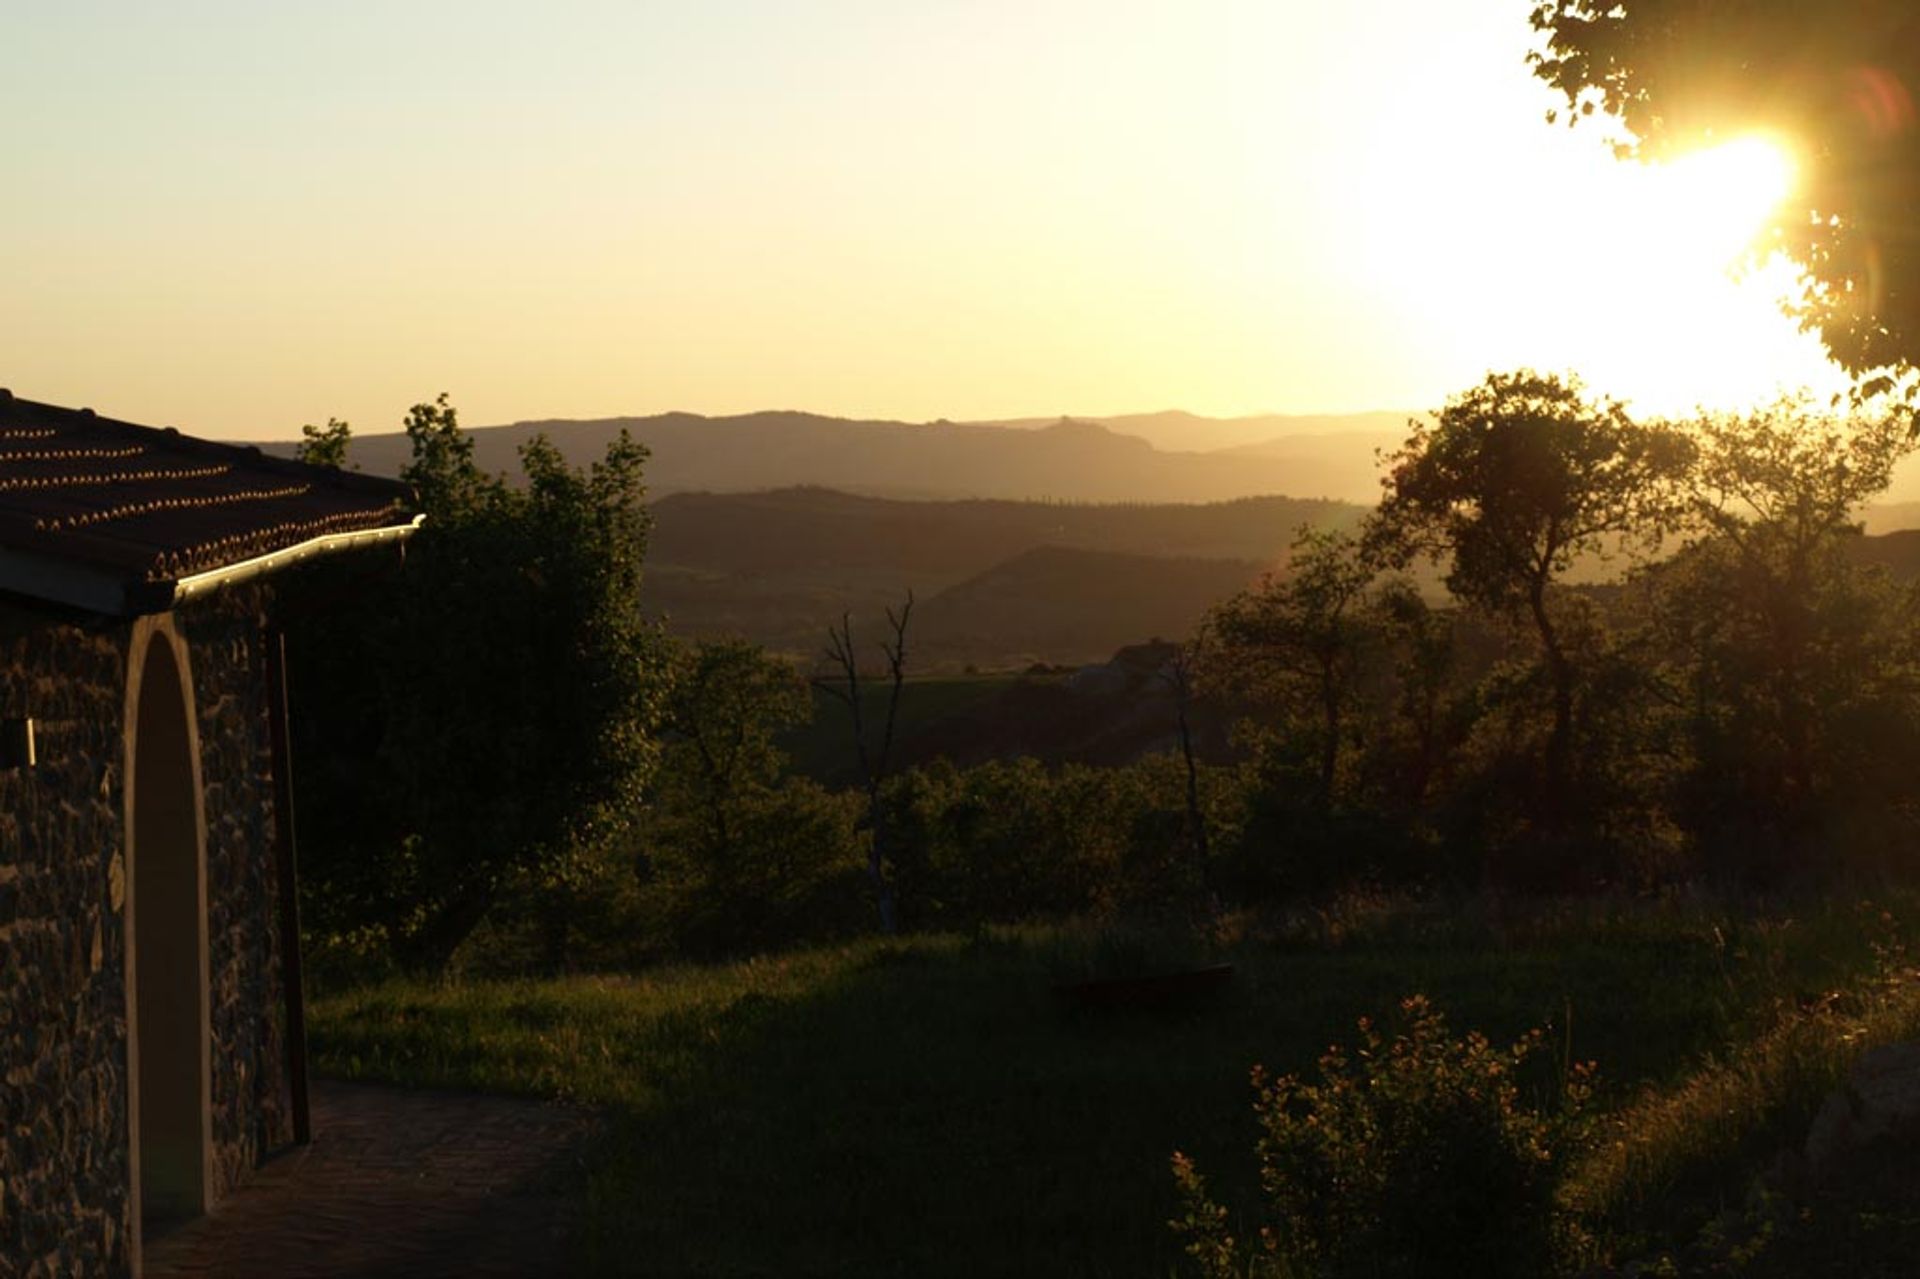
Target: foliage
x: 1009, y: 841
x: 325, y: 445
x: 1513, y: 480
x: 1295, y: 641
x: 728, y: 701
x: 1793, y: 667
x: 790, y: 872
x: 1411, y: 1156
x: 842, y: 683
x: 1519, y: 475
x: 1668, y: 1155
x: 1837, y: 81
x: 733, y: 857
x: 486, y: 709
x: 924, y: 1106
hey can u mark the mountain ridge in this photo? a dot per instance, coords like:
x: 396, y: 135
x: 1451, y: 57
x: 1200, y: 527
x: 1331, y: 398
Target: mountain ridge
x: 1066, y: 459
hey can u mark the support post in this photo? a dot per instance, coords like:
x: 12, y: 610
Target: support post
x: 290, y: 971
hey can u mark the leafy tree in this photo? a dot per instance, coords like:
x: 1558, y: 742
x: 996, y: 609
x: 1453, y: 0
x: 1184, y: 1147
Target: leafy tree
x: 1295, y: 641
x: 1840, y: 80
x: 1180, y: 676
x: 325, y: 445
x: 1420, y: 669
x: 729, y: 699
x: 1792, y: 660
x: 736, y: 855
x: 1784, y: 478
x: 488, y: 707
x: 442, y: 470
x: 1012, y: 840
x: 1515, y: 479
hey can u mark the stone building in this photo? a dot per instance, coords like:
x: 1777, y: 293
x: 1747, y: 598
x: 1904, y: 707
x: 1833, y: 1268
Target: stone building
x: 151, y: 1037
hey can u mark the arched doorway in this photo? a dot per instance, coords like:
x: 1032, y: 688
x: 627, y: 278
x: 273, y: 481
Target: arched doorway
x: 168, y: 1111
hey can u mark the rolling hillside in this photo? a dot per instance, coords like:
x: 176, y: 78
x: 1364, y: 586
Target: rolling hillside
x: 1176, y: 431
x: 1058, y: 605
x: 1066, y: 460
x: 999, y: 584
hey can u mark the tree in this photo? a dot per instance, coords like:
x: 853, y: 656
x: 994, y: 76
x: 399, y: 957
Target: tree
x: 728, y: 700
x: 1515, y: 479
x: 843, y: 684
x: 1841, y: 81
x: 1179, y: 675
x: 442, y: 470
x: 325, y: 445
x: 738, y: 856
x: 1294, y: 640
x: 487, y: 709
x: 1421, y: 661
x: 1787, y: 652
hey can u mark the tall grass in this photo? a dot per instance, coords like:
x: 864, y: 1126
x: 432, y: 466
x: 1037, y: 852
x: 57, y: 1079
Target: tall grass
x: 930, y: 1106
x: 1673, y: 1155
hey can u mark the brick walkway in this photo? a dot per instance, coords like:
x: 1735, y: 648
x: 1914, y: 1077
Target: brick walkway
x: 396, y: 1183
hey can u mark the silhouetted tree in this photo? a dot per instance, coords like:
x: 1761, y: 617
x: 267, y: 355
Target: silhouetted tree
x: 1179, y: 675
x: 843, y: 684
x: 1420, y: 668
x: 1789, y: 652
x: 737, y: 856
x: 325, y: 445
x: 1294, y: 641
x: 728, y: 699
x: 1838, y: 79
x: 1513, y: 480
x: 489, y: 708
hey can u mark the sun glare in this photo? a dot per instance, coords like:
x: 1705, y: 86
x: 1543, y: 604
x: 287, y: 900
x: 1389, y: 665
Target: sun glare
x: 1714, y: 202
x: 1649, y: 280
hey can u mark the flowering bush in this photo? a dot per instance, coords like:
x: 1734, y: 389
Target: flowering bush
x: 1412, y: 1156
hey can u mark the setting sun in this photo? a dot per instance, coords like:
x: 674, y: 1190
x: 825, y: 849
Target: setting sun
x: 1718, y: 200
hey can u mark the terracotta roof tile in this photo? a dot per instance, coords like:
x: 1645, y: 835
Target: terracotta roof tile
x: 151, y: 505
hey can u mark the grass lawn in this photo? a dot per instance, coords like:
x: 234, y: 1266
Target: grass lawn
x: 930, y: 1107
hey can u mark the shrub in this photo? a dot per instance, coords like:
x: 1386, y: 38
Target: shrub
x: 790, y: 871
x: 1413, y: 1156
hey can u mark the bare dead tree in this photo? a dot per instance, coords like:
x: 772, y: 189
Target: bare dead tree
x: 1178, y: 674
x: 844, y: 685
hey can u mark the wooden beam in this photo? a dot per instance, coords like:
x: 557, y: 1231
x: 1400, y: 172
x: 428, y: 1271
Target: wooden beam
x: 290, y: 971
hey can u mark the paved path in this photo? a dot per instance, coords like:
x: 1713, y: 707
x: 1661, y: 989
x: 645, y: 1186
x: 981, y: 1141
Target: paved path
x: 395, y: 1183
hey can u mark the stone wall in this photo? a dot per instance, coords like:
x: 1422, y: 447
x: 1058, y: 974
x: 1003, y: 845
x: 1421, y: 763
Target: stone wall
x: 64, y: 1174
x: 252, y: 1101
x: 63, y: 1033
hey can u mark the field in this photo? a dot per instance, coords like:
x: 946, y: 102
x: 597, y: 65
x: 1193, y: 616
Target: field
x: 930, y: 1106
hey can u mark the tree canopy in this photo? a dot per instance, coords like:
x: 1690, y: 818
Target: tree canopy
x: 1514, y: 479
x: 1840, y: 82
x: 491, y: 706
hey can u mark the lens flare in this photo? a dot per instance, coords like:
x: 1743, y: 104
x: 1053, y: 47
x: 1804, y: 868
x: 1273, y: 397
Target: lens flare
x: 1716, y: 202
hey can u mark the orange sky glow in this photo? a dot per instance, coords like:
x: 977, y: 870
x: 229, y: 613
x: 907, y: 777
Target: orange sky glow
x: 240, y: 218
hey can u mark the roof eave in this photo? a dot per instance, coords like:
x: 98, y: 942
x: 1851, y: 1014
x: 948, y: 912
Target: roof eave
x: 77, y: 586
x: 63, y: 582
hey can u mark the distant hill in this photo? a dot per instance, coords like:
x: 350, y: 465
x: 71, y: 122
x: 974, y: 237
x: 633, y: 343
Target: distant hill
x: 1061, y: 605
x: 779, y: 567
x: 1068, y: 459
x: 1175, y: 431
x: 1890, y: 517
x: 1898, y: 553
x: 943, y: 541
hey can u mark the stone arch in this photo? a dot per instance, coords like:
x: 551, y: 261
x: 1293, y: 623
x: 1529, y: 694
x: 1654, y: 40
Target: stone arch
x: 169, y: 1113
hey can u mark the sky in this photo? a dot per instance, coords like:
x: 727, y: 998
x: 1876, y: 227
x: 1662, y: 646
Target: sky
x: 241, y: 217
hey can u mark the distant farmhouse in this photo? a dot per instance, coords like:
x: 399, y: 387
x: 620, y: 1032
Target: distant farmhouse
x: 151, y: 1038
